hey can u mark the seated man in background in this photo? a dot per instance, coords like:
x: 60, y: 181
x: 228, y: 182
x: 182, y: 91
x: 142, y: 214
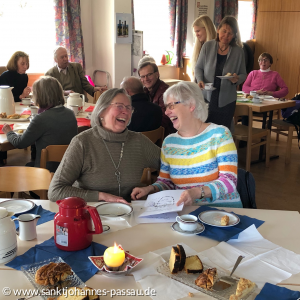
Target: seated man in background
x: 155, y: 88
x: 70, y: 75
x: 147, y: 115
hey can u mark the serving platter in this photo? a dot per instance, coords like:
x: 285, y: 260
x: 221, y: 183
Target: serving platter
x: 15, y: 120
x: 17, y: 206
x: 114, y: 210
x: 213, y: 218
x: 189, y: 280
x: 225, y: 77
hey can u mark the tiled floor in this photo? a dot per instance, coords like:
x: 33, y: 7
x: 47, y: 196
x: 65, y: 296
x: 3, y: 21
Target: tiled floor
x: 277, y: 187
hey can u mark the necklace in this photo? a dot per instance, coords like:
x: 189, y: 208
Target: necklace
x: 224, y: 49
x: 117, y: 172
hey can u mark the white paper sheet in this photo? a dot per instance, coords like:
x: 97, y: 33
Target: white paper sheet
x: 162, y: 202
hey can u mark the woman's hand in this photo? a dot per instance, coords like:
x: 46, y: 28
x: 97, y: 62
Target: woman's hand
x: 139, y: 192
x: 235, y: 78
x: 25, y: 93
x: 188, y: 196
x: 6, y: 128
x: 261, y: 92
x: 111, y: 198
x: 201, y: 85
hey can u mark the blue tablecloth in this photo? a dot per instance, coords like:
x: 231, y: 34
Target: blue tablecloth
x: 274, y: 292
x: 46, y: 215
x: 78, y: 260
x: 223, y: 234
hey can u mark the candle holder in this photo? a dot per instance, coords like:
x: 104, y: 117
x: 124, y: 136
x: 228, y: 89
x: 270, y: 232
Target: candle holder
x: 129, y: 263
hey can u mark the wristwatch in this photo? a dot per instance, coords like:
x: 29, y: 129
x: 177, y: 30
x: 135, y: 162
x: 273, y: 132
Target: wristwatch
x: 202, y: 192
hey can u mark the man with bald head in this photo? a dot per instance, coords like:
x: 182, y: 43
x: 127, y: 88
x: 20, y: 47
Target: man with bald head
x: 70, y: 75
x: 147, y: 115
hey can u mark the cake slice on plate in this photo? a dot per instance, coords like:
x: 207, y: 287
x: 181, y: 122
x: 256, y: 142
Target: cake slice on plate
x: 193, y: 264
x: 174, y: 262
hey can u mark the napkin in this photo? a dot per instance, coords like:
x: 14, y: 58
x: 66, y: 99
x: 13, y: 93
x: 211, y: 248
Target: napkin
x: 90, y: 108
x: 26, y: 112
x: 264, y: 261
x: 274, y: 292
x: 225, y: 233
x: 1, y: 126
x: 83, y: 122
x: 46, y: 215
x: 78, y: 260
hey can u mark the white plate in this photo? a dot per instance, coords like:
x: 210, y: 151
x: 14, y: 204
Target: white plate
x: 268, y: 97
x: 15, y: 120
x: 213, y: 218
x: 243, y: 99
x: 211, y: 89
x: 16, y: 131
x: 17, y: 206
x: 200, y: 228
x: 114, y: 210
x: 225, y: 77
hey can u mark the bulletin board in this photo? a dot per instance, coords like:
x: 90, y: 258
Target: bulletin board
x: 204, y: 7
x: 136, y: 51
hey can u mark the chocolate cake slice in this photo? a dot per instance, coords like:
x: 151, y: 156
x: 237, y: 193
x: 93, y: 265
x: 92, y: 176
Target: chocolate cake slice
x: 174, y: 261
x: 182, y: 257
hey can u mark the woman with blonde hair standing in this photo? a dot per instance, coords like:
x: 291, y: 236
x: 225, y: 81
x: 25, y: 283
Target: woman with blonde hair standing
x: 204, y: 30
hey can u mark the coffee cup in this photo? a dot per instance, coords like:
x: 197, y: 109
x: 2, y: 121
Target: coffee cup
x: 75, y: 109
x: 208, y: 86
x: 256, y: 100
x: 187, y: 222
x: 34, y: 110
x: 253, y: 94
x: 26, y: 101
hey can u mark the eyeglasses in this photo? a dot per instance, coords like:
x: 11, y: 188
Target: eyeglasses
x: 171, y: 105
x: 121, y: 106
x: 147, y: 75
x: 263, y: 60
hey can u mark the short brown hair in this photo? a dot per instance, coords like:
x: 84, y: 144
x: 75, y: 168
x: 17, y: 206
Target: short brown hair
x: 148, y: 63
x: 12, y: 64
x: 266, y: 55
x: 48, y: 92
x: 232, y: 22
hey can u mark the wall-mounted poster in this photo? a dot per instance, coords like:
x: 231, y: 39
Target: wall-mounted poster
x: 136, y: 51
x: 205, y: 7
x: 123, y: 28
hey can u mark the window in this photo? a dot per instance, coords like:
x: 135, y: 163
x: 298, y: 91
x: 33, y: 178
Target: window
x: 29, y: 26
x: 245, y: 19
x: 152, y: 17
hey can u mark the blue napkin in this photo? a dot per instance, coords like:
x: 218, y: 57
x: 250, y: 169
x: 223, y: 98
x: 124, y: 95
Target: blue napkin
x: 225, y: 233
x: 271, y: 291
x: 78, y: 260
x: 46, y: 215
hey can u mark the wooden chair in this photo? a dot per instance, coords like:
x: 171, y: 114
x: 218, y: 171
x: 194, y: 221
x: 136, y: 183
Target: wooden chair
x: 156, y: 136
x: 2, y: 69
x: 52, y: 153
x: 21, y: 179
x: 250, y: 134
x: 286, y: 129
x: 146, y: 177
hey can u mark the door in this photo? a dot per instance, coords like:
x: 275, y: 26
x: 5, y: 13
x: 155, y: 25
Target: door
x: 290, y: 5
x: 270, y: 5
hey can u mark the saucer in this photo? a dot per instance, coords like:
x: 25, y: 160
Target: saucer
x: 200, y: 228
x: 211, y: 89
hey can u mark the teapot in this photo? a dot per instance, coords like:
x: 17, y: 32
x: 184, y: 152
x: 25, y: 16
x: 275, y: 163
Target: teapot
x: 8, y: 237
x: 73, y: 224
x: 7, y: 102
x: 75, y: 99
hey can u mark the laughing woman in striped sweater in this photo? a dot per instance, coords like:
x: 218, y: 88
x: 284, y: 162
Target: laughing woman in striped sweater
x: 200, y: 158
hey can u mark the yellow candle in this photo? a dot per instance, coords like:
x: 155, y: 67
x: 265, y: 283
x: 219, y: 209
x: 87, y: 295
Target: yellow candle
x: 114, y: 257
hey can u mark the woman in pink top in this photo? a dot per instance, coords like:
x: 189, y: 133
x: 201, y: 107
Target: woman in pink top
x: 265, y: 81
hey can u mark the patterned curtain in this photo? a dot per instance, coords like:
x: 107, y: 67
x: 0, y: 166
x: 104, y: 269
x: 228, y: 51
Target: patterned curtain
x: 225, y: 8
x: 68, y: 29
x: 254, y: 18
x: 178, y: 12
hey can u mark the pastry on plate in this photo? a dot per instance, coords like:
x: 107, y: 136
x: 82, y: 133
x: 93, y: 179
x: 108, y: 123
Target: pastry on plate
x: 207, y: 279
x: 193, y: 264
x: 3, y: 115
x: 14, y: 116
x: 225, y: 220
x: 244, y: 287
x: 228, y: 74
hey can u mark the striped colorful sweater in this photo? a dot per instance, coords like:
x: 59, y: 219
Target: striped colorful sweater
x: 207, y: 159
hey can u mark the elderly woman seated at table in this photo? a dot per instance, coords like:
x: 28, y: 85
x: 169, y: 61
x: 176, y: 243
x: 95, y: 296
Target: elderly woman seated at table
x: 105, y: 162
x: 201, y: 158
x: 265, y: 81
x: 55, y: 125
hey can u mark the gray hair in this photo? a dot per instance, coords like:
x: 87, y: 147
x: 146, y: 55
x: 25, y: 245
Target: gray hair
x: 146, y: 58
x: 188, y: 93
x: 104, y: 102
x: 56, y: 49
x: 133, y: 84
x: 48, y: 92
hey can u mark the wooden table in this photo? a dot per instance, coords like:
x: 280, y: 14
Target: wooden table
x: 278, y: 228
x: 5, y: 145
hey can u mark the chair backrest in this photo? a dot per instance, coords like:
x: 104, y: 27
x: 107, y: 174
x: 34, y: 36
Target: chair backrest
x: 146, y: 177
x: 20, y: 179
x: 156, y: 136
x: 246, y: 188
x: 52, y: 153
x: 2, y: 69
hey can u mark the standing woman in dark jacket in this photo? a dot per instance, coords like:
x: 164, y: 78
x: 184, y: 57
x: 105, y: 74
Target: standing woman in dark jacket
x: 16, y: 76
x: 218, y: 58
